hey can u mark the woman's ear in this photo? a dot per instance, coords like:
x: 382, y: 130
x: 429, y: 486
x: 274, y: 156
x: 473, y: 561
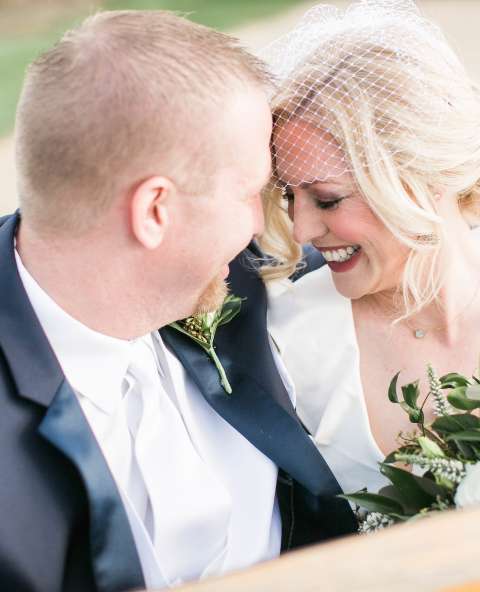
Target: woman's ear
x: 150, y: 212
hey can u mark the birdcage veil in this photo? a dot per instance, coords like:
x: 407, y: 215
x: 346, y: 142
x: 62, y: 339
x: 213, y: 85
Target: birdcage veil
x: 344, y: 75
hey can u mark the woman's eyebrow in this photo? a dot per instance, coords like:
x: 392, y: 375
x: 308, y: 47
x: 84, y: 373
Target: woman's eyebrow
x: 312, y: 184
x: 308, y: 184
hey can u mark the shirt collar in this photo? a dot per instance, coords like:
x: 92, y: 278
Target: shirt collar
x: 95, y: 364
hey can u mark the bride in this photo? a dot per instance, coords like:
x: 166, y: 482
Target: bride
x: 376, y: 148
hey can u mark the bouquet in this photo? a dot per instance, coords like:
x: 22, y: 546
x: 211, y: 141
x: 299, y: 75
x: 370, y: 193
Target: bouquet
x: 441, y: 459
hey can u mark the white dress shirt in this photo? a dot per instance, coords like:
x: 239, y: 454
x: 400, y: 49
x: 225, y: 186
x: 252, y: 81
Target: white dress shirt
x: 244, y: 478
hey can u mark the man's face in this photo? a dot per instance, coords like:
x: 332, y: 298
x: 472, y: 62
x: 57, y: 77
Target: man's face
x: 210, y: 230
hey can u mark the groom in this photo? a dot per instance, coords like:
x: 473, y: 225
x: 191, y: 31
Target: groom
x: 142, y: 147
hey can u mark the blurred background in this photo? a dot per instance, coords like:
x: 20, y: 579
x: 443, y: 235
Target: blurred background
x: 29, y: 26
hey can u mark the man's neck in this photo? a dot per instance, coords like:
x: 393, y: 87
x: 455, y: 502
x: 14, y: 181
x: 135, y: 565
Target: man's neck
x: 93, y: 287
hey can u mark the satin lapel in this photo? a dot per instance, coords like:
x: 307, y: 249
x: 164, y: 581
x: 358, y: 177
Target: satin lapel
x: 38, y: 377
x: 250, y: 409
x: 115, y: 560
x: 259, y: 407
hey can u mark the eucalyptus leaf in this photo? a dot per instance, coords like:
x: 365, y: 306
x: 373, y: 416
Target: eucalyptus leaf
x: 373, y: 502
x: 453, y: 380
x: 390, y: 458
x: 393, y: 493
x: 392, y: 389
x: 466, y: 436
x: 410, y: 490
x: 467, y: 451
x: 457, y: 399
x: 407, y: 449
x: 458, y: 391
x: 411, y: 393
x: 475, y: 449
x: 473, y: 392
x: 455, y: 423
x: 429, y: 447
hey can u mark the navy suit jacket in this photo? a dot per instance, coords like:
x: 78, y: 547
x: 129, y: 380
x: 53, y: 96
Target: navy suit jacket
x: 62, y: 523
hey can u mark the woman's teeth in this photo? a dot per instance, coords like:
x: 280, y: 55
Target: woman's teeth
x: 341, y: 255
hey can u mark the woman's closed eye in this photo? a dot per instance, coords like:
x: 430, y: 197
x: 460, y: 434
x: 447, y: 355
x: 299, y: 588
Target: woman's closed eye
x: 325, y: 202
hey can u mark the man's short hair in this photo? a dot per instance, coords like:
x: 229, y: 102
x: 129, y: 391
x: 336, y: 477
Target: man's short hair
x: 125, y: 95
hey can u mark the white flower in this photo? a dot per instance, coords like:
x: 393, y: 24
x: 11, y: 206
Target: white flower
x: 440, y: 402
x: 468, y: 491
x: 446, y: 469
x: 374, y: 521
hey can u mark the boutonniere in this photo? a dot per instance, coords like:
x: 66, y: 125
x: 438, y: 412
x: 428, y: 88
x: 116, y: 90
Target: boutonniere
x: 202, y: 328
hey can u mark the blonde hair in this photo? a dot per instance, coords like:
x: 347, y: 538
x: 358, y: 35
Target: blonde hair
x: 126, y: 95
x: 399, y: 157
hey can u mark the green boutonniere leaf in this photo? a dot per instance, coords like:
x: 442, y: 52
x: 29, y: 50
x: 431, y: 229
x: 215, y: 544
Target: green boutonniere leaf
x: 202, y: 328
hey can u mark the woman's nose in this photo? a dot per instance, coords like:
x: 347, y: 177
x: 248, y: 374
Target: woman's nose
x: 307, y: 222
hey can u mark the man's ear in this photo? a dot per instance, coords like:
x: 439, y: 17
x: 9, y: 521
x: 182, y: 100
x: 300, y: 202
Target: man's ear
x: 150, y: 212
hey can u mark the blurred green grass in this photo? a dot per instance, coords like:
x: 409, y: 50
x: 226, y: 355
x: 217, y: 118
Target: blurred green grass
x: 29, y: 35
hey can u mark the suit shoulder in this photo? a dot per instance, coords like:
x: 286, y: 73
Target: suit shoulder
x: 312, y: 260
x: 4, y: 219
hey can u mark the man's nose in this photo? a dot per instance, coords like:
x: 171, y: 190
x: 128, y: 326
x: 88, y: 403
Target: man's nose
x: 307, y: 222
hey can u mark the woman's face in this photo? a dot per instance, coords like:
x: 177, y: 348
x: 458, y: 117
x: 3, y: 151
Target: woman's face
x: 363, y: 255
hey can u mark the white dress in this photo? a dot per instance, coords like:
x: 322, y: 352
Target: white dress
x: 312, y: 326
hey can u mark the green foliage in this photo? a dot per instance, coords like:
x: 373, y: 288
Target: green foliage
x: 455, y: 423
x: 18, y: 49
x: 460, y: 399
x: 375, y: 502
x: 414, y: 492
x: 466, y: 436
x: 202, y: 329
x: 410, y: 394
x: 430, y: 448
x: 453, y: 380
x: 440, y: 451
x: 214, y: 13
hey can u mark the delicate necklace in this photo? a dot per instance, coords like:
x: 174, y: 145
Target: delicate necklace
x: 420, y: 333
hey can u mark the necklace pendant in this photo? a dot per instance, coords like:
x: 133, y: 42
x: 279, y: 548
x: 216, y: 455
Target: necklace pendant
x: 419, y: 333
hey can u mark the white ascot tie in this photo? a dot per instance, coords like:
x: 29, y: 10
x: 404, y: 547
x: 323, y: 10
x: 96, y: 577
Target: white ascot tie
x: 185, y: 508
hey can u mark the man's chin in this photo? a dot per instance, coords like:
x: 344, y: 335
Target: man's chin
x: 213, y: 297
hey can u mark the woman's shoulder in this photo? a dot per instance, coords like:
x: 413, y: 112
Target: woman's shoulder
x: 314, y: 290
x: 309, y: 308
x: 313, y: 329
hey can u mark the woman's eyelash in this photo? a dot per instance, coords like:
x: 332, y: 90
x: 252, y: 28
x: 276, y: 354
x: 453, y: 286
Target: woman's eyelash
x: 331, y: 204
x: 322, y: 204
